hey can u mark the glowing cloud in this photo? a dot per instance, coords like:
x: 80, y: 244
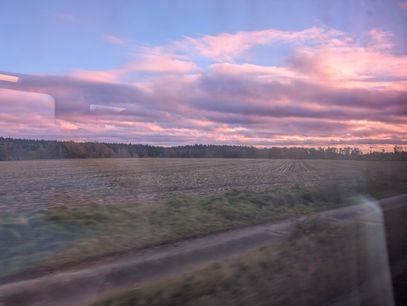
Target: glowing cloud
x: 331, y: 89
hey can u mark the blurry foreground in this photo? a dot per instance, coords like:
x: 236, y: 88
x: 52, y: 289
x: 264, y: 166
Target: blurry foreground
x: 336, y: 257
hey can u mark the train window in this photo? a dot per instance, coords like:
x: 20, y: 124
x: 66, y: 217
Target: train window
x: 206, y: 152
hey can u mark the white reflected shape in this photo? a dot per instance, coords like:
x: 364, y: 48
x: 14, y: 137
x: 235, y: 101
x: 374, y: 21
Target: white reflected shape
x: 370, y: 254
x: 25, y: 109
x: 8, y: 78
x: 372, y: 231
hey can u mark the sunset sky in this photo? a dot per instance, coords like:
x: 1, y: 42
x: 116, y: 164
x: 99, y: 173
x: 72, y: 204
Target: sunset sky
x: 262, y: 73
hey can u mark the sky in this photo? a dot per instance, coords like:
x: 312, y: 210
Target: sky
x: 253, y: 72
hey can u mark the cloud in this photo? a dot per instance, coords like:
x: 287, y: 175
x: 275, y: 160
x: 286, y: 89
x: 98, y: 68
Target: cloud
x: 331, y: 90
x: 156, y: 61
x: 147, y: 60
x: 111, y: 76
x: 351, y: 66
x: 228, y: 46
x: 381, y: 39
x: 114, y: 40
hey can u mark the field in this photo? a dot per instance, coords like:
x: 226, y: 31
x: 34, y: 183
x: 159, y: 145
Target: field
x: 28, y: 185
x: 57, y: 212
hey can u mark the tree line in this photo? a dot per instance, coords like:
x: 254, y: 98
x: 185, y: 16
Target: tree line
x: 26, y: 149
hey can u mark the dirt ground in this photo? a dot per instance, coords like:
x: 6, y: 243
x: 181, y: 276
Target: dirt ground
x: 28, y: 185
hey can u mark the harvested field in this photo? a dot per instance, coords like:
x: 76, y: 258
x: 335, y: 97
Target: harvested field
x: 59, y: 212
x: 28, y: 185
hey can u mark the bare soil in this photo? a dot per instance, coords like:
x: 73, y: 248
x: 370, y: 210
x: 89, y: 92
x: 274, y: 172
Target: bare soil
x: 28, y: 185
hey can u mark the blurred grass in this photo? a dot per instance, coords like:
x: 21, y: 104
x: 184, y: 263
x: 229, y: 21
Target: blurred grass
x: 60, y: 235
x: 307, y: 268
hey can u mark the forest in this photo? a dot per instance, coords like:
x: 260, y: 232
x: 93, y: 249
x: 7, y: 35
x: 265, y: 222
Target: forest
x: 27, y: 149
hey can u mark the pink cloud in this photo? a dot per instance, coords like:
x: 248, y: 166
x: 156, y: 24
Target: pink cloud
x: 227, y: 46
x: 261, y: 72
x: 330, y: 91
x: 156, y: 61
x: 381, y: 39
x: 111, y: 76
x: 352, y: 66
x: 150, y: 60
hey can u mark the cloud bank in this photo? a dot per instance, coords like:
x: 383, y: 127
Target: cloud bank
x: 329, y: 89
